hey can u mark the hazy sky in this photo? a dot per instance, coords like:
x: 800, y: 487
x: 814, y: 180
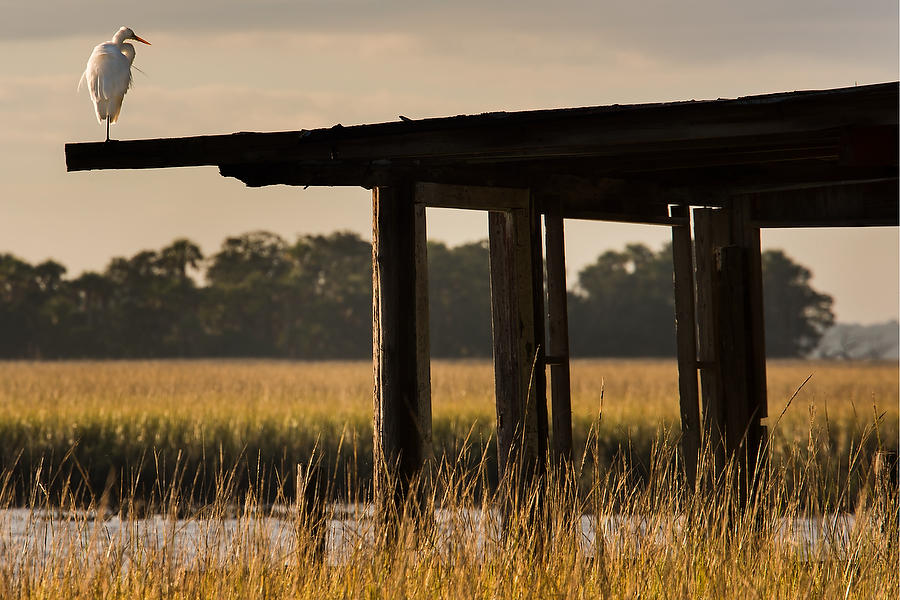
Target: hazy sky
x: 219, y: 67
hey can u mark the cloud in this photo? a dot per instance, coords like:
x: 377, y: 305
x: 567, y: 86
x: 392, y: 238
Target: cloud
x: 32, y: 109
x: 698, y: 30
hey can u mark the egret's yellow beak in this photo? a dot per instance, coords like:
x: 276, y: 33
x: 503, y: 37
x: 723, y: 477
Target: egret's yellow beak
x: 140, y: 39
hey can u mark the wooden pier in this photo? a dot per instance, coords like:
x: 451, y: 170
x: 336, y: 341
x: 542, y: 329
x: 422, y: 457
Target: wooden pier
x: 714, y: 171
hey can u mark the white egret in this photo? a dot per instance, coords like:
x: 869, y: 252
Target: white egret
x: 108, y: 75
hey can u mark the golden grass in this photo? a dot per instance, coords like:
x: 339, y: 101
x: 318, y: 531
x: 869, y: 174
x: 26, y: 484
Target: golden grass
x: 112, y: 413
x: 635, y: 391
x: 698, y: 549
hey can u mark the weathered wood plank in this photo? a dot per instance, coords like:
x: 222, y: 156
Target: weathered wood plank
x: 822, y: 197
x: 437, y: 195
x: 507, y: 329
x: 735, y: 362
x: 400, y: 359
x: 798, y: 150
x: 623, y: 216
x: 517, y: 328
x: 747, y: 236
x: 732, y: 342
x: 296, y: 159
x: 710, y: 231
x: 849, y: 205
x: 582, y: 182
x: 558, y: 338
x: 686, y: 342
x: 722, y: 125
x: 423, y: 337
x: 538, y: 377
x: 626, y: 150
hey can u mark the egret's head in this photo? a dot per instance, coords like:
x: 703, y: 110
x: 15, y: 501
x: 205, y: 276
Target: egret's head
x: 127, y: 33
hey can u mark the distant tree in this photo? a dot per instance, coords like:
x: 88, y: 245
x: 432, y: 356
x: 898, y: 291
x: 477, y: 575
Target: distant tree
x: 255, y: 254
x: 185, y: 332
x: 18, y: 317
x: 329, y: 310
x: 796, y: 315
x: 55, y: 307
x: 247, y: 296
x: 136, y: 313
x: 312, y: 299
x: 48, y: 276
x: 93, y: 291
x: 32, y: 303
x: 459, y: 288
x: 175, y: 258
x: 90, y: 328
x: 623, y: 304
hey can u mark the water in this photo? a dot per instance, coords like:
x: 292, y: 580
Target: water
x: 42, y: 539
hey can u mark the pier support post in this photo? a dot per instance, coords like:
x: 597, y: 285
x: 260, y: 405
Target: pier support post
x: 402, y: 393
x: 710, y: 232
x: 732, y: 339
x: 517, y: 317
x: 558, y: 337
x: 686, y: 343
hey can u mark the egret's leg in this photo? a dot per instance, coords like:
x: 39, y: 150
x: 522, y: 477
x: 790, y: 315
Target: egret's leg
x: 107, y: 128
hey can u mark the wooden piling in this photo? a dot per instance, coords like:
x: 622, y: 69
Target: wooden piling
x: 400, y: 349
x: 558, y: 336
x: 710, y: 231
x: 538, y: 378
x: 734, y: 361
x: 686, y: 343
x: 746, y: 235
x: 517, y: 328
x: 731, y: 339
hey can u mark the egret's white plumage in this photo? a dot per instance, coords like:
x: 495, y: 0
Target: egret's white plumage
x: 108, y: 75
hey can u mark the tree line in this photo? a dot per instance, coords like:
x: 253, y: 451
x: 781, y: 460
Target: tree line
x: 261, y: 296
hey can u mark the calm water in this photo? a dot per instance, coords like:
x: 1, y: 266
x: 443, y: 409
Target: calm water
x: 33, y: 537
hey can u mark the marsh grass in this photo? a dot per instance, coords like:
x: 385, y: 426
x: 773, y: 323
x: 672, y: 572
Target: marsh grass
x: 655, y: 540
x: 141, y: 430
x: 179, y: 480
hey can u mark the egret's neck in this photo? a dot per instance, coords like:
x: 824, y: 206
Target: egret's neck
x: 119, y: 37
x: 128, y: 51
